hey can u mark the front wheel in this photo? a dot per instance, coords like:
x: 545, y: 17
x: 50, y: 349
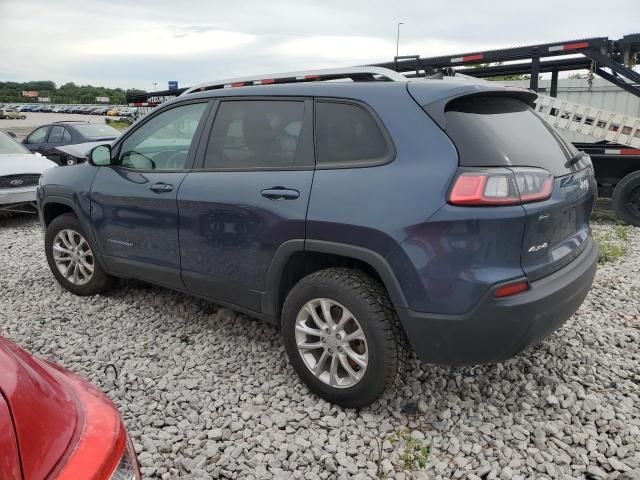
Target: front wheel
x: 343, y: 337
x: 71, y: 258
x: 626, y: 199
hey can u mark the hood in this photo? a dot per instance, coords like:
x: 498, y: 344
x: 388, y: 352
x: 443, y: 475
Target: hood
x: 44, y: 411
x: 79, y: 150
x: 17, y: 163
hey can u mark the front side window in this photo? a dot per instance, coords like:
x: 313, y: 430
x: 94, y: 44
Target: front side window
x: 163, y: 142
x: 347, y: 133
x: 38, y: 136
x: 257, y: 134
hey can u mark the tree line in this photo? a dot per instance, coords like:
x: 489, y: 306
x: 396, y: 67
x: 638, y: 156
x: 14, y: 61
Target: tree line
x: 69, y: 93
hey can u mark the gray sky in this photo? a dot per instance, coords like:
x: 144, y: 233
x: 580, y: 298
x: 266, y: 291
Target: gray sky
x: 133, y: 43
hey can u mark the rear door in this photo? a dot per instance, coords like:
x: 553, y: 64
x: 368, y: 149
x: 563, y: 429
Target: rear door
x: 133, y: 203
x: 503, y: 131
x: 58, y: 135
x: 248, y: 198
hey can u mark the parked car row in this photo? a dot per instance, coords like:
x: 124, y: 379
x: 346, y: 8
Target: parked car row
x: 117, y: 111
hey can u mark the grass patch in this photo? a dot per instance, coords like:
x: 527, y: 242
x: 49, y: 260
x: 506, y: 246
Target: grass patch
x: 119, y: 125
x: 614, y: 243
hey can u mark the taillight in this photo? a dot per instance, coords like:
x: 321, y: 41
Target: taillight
x: 102, y: 450
x: 501, y: 186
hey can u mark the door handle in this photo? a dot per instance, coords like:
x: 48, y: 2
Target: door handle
x: 161, y: 187
x: 280, y: 193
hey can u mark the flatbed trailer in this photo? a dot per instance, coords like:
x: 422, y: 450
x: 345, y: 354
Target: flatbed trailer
x: 615, y: 152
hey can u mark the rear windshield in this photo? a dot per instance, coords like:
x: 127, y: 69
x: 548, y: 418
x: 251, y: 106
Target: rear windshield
x: 504, y: 131
x: 94, y: 130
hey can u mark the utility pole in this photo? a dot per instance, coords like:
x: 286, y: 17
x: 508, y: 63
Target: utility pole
x: 398, y: 39
x: 155, y: 86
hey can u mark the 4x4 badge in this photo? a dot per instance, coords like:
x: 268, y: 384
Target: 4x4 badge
x: 536, y: 248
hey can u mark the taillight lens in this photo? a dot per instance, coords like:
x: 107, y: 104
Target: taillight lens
x: 501, y: 186
x: 127, y: 468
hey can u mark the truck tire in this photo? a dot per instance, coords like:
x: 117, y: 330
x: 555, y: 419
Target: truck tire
x: 343, y: 337
x: 626, y: 199
x: 72, y: 258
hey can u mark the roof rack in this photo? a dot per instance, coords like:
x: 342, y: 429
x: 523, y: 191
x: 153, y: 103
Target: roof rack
x: 366, y: 73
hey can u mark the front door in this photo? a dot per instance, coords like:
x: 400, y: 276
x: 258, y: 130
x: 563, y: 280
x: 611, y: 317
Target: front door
x: 248, y: 198
x: 133, y: 202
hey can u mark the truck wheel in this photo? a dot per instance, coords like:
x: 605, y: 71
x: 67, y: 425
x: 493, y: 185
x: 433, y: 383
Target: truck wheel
x: 626, y: 199
x: 71, y: 258
x: 343, y: 337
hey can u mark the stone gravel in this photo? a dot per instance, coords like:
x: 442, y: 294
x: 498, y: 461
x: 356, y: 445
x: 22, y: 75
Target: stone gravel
x: 208, y: 393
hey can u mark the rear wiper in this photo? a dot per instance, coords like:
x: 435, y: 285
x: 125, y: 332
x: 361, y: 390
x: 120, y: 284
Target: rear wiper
x: 575, y: 159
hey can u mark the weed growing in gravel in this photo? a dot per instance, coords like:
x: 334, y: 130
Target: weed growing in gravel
x: 614, y: 243
x: 623, y: 232
x: 414, y: 453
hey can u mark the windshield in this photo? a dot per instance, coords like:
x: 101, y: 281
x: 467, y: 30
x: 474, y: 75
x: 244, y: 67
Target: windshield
x: 94, y: 130
x: 9, y: 146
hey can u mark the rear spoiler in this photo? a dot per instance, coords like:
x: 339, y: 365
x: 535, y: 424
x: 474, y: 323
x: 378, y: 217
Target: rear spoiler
x: 436, y: 110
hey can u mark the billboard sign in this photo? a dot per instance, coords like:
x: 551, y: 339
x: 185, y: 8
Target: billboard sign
x: 173, y: 85
x: 44, y: 99
x: 102, y: 99
x: 29, y: 93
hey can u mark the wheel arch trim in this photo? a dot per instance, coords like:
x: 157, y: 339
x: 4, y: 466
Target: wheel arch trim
x: 287, y: 249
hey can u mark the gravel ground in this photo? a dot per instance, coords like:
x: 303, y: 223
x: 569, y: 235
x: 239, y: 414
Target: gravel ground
x: 206, y: 392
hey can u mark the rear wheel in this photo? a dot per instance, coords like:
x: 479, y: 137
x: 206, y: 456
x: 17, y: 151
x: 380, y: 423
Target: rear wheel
x: 343, y: 337
x: 626, y: 199
x: 71, y: 258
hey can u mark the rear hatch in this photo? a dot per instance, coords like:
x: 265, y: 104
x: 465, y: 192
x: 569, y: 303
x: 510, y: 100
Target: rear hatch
x: 500, y: 129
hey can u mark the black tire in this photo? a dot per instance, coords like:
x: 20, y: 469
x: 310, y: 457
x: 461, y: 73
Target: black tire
x: 626, y: 199
x: 99, y: 282
x: 369, y: 303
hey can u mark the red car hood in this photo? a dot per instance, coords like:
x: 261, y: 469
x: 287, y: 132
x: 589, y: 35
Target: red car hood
x: 43, y: 411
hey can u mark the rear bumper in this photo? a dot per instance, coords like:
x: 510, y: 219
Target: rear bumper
x: 496, y: 329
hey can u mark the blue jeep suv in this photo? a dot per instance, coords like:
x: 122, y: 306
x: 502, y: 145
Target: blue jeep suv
x: 365, y: 218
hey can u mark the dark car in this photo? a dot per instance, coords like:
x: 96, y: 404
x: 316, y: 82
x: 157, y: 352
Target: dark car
x: 55, y: 425
x: 46, y: 138
x: 358, y: 216
x: 100, y: 110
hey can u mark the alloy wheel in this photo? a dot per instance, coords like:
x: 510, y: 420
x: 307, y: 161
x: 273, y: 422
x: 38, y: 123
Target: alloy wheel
x: 73, y: 256
x: 331, y: 343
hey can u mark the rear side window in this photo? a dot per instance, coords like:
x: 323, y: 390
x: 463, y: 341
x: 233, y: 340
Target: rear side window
x: 250, y: 134
x: 347, y: 134
x: 56, y: 134
x: 504, y: 131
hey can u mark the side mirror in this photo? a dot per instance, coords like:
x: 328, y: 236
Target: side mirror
x: 100, y: 156
x: 11, y: 134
